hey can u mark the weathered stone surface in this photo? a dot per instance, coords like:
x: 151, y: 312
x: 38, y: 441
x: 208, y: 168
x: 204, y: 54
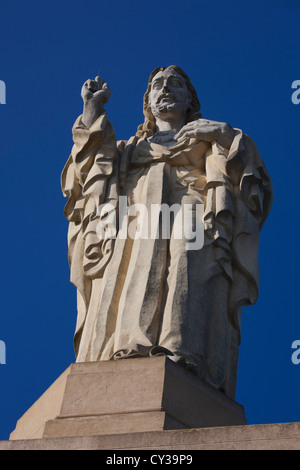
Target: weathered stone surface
x: 140, y: 294
x: 284, y: 436
x: 48, y: 406
x: 113, y: 397
x: 108, y: 424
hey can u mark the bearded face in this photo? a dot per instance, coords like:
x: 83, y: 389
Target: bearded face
x: 169, y: 95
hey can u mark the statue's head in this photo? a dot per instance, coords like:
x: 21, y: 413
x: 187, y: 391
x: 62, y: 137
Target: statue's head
x: 169, y: 90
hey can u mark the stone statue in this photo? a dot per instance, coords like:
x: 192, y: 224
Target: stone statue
x: 143, y: 296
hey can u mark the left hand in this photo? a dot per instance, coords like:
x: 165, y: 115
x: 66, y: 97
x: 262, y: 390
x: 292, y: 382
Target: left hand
x: 208, y: 131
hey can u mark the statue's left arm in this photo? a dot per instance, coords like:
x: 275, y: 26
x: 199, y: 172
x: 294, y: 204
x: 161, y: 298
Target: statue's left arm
x: 239, y: 199
x: 207, y: 131
x: 251, y: 196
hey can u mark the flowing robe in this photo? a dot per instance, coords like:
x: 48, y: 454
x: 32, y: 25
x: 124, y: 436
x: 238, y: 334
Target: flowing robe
x: 148, y: 296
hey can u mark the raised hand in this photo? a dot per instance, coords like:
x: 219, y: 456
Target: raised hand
x: 95, y: 94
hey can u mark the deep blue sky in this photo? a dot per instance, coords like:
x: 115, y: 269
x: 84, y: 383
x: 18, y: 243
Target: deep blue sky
x: 242, y: 57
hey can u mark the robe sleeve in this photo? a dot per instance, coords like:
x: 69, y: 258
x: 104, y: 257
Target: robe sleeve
x: 253, y: 197
x: 88, y: 180
x: 239, y: 199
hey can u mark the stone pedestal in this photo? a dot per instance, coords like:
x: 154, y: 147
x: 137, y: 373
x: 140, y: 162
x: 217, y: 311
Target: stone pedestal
x: 282, y: 436
x: 126, y: 396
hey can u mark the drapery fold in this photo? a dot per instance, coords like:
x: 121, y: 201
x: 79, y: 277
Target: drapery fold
x: 121, y: 311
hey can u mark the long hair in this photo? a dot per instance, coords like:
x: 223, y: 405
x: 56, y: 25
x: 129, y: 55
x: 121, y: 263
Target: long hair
x: 148, y: 127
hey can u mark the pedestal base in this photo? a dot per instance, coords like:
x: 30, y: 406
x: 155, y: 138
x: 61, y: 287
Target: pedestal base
x: 283, y: 436
x: 126, y: 396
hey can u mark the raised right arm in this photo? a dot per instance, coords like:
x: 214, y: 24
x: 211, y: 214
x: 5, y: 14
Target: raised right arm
x: 95, y: 94
x: 85, y: 178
